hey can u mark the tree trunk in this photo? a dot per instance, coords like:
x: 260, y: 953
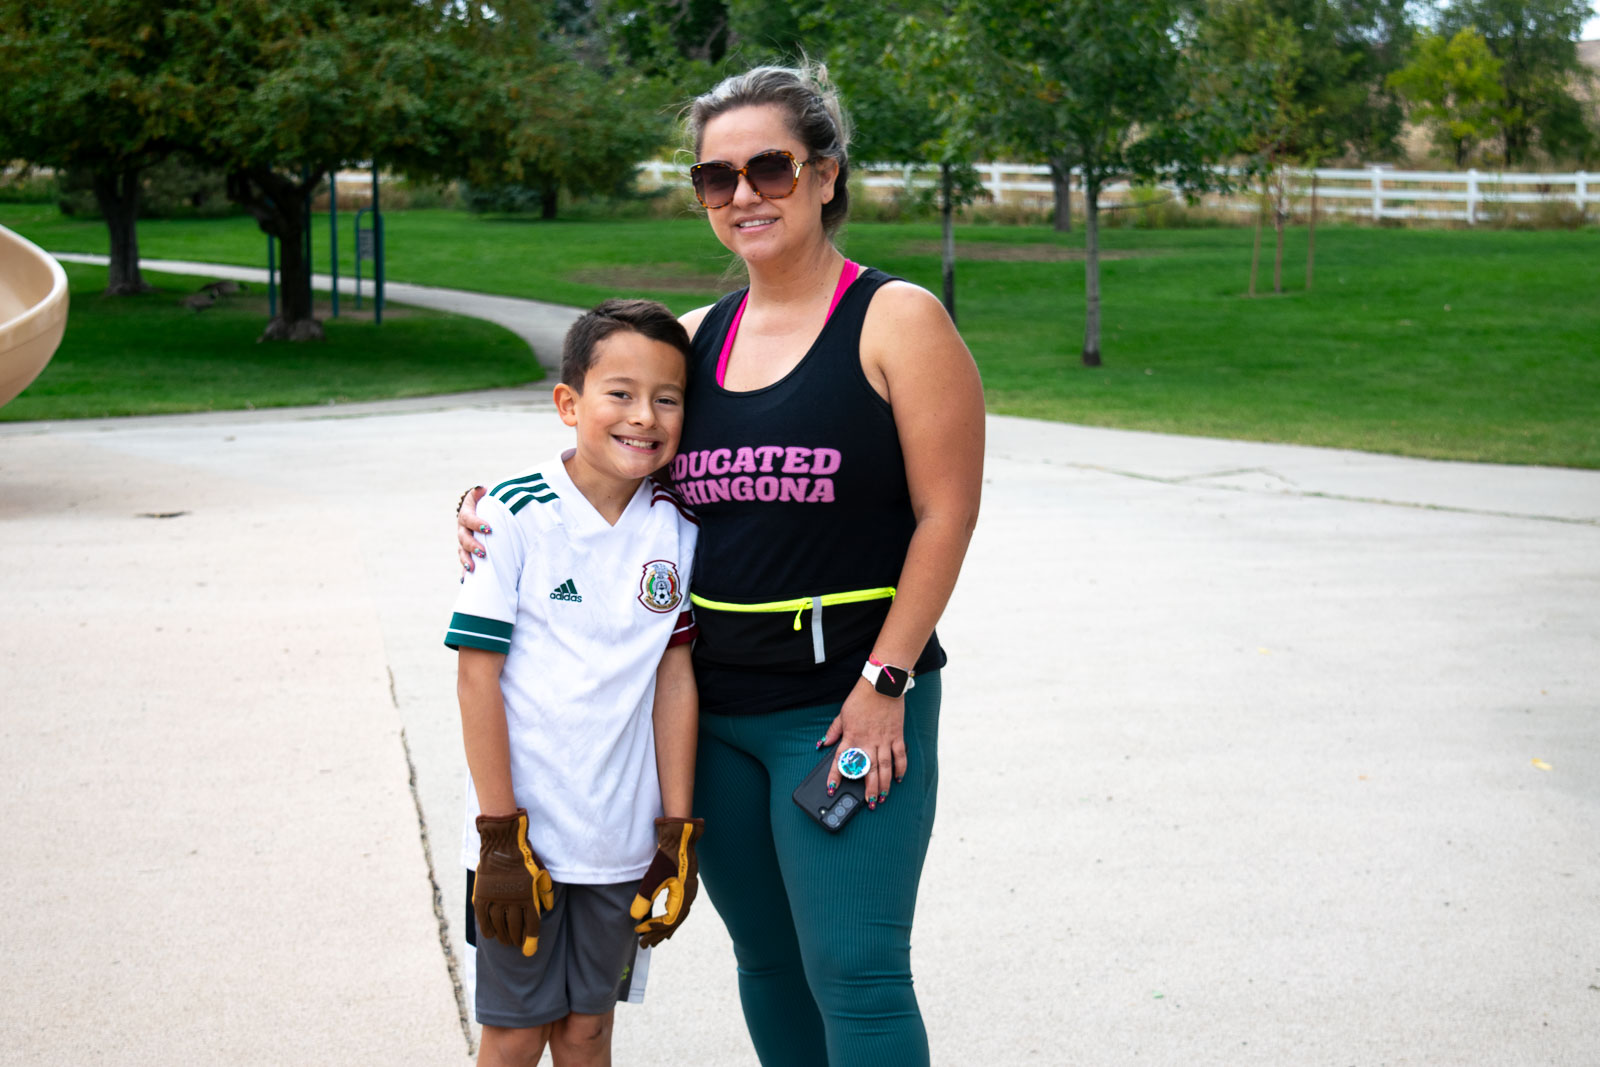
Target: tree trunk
x: 1517, y: 136
x: 1280, y: 196
x: 1255, y: 252
x: 1311, y: 233
x: 295, y: 321
x: 1091, y: 269
x: 947, y: 247
x: 549, y: 201
x: 1061, y: 181
x: 280, y: 207
x: 117, y: 194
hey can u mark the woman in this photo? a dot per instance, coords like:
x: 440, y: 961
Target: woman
x: 833, y: 451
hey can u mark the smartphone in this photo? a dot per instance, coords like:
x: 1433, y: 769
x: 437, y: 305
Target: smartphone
x: 832, y: 812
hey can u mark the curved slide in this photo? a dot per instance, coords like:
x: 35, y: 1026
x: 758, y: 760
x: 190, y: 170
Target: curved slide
x: 33, y: 312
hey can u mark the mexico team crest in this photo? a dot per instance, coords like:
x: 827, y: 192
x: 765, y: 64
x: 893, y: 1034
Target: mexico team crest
x: 659, y: 588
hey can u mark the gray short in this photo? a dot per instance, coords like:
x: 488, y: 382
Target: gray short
x: 586, y: 953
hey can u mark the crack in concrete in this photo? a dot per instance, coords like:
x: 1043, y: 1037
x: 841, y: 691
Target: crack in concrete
x: 1190, y: 478
x: 451, y: 965
x: 1187, y: 482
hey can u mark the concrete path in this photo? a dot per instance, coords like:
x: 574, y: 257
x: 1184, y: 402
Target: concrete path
x: 542, y: 325
x: 1252, y: 754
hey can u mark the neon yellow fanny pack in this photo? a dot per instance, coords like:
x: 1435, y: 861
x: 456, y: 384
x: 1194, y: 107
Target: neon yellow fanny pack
x: 800, y: 605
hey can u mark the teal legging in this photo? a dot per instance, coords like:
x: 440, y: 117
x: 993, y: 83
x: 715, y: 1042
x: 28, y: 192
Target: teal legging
x: 821, y: 923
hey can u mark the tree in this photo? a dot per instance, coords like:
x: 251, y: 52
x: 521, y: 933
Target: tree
x: 1344, y: 49
x: 1536, y: 43
x: 87, y: 87
x: 1108, y: 83
x: 295, y: 89
x: 581, y: 131
x: 581, y: 117
x: 675, y: 43
x: 1454, y: 85
x: 289, y: 91
x: 909, y: 80
x: 1282, y: 125
x: 1275, y: 126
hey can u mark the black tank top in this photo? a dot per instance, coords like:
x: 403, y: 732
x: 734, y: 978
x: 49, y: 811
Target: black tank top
x: 800, y: 488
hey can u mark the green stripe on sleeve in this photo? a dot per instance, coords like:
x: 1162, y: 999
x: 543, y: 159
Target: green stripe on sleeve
x: 534, y: 480
x: 474, y: 631
x: 525, y: 499
x: 522, y: 490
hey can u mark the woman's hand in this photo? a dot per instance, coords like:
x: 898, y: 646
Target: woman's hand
x: 468, y: 524
x: 875, y: 724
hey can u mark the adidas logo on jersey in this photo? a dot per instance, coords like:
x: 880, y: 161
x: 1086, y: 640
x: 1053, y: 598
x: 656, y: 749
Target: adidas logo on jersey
x: 566, y: 591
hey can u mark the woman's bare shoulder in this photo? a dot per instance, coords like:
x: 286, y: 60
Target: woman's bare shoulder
x: 692, y: 320
x: 901, y: 310
x: 903, y: 297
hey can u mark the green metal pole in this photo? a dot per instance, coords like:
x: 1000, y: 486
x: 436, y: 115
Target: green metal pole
x: 305, y: 241
x: 357, y: 229
x: 333, y: 235
x: 377, y: 252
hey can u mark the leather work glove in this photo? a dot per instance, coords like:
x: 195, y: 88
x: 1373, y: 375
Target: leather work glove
x: 674, y: 869
x: 511, y: 888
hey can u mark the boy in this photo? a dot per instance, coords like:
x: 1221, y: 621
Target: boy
x: 578, y: 704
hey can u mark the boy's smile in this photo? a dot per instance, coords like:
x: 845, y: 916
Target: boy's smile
x: 629, y: 417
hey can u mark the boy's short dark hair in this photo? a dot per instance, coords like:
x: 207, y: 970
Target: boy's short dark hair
x: 644, y: 317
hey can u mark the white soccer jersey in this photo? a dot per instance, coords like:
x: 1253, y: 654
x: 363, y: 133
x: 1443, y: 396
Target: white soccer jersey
x: 583, y: 611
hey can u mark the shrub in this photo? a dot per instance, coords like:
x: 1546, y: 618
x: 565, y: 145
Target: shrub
x: 1013, y: 213
x: 1150, y: 207
x: 397, y: 195
x: 175, y: 188
x: 24, y: 185
x: 508, y: 199
x: 422, y: 195
x: 1544, y: 215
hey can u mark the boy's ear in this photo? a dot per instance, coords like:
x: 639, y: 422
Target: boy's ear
x: 566, y: 398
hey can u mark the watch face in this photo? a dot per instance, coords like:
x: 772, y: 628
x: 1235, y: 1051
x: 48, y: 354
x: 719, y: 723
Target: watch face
x: 891, y: 681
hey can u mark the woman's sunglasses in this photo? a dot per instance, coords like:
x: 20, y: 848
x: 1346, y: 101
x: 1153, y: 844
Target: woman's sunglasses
x: 772, y: 176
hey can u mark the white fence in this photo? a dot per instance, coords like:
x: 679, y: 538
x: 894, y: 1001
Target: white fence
x: 1374, y: 193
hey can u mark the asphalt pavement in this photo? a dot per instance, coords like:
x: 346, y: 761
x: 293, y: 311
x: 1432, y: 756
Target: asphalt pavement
x: 1251, y: 754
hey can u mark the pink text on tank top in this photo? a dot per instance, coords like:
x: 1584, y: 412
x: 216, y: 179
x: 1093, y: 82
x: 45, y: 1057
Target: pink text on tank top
x: 767, y: 473
x: 757, y: 472
x: 846, y: 276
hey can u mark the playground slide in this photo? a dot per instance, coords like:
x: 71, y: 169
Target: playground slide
x: 33, y: 312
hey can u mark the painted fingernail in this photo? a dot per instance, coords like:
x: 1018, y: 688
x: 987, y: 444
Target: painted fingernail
x: 831, y: 787
x: 822, y: 742
x: 463, y: 579
x: 900, y: 779
x: 872, y: 805
x: 483, y: 528
x: 469, y: 568
x: 479, y: 553
x: 882, y: 797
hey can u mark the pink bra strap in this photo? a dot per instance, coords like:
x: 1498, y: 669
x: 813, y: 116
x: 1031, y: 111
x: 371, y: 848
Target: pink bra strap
x: 846, y: 276
x: 727, y: 342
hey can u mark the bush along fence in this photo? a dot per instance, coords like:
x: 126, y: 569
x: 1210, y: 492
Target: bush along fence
x: 1376, y: 193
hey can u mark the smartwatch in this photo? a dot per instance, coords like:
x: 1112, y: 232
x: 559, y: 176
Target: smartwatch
x: 888, y: 679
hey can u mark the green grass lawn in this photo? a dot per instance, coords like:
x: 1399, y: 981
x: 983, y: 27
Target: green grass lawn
x: 147, y: 355
x: 1477, y: 345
